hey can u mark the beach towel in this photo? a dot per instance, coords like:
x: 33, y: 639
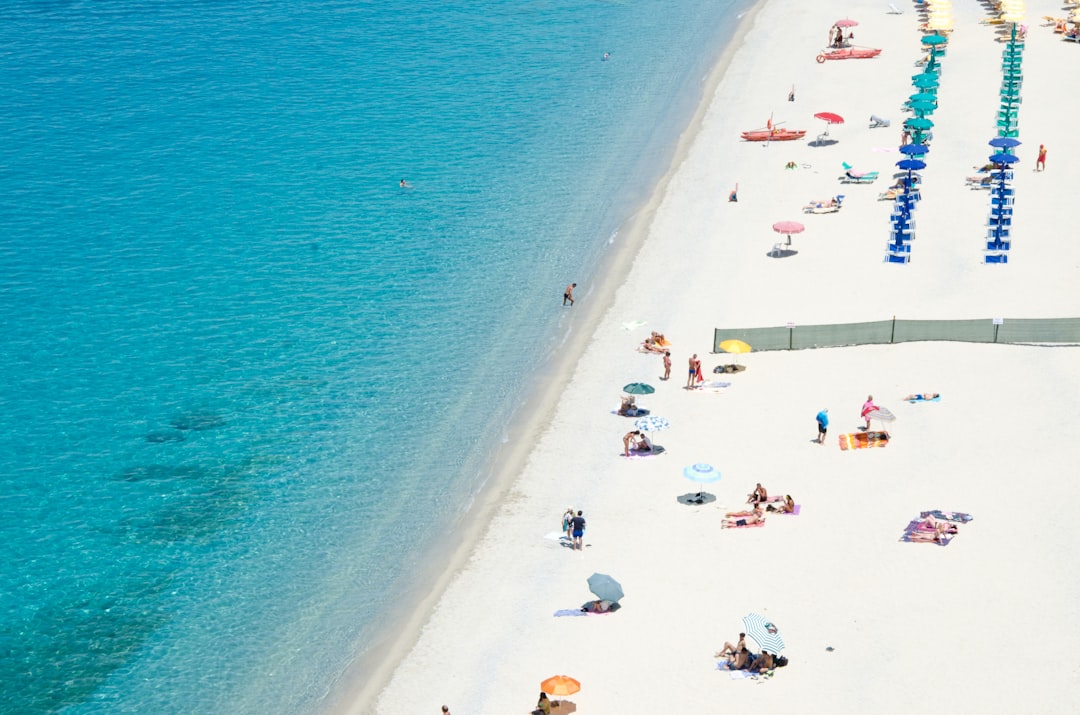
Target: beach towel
x: 946, y: 539
x: 956, y: 516
x: 863, y: 440
x: 712, y: 386
x: 798, y: 508
x: 920, y: 398
x: 639, y: 454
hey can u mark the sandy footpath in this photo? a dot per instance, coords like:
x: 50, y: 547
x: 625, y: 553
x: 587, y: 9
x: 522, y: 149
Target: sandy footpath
x: 983, y: 625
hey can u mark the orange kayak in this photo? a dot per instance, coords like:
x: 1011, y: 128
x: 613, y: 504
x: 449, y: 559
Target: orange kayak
x: 776, y: 135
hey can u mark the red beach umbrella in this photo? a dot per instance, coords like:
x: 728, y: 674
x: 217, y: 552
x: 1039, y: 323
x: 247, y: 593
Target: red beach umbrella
x: 829, y: 117
x: 787, y: 228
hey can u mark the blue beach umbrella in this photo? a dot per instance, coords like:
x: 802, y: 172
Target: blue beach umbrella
x: 651, y: 423
x: 910, y: 165
x: 702, y: 473
x: 638, y: 388
x: 914, y: 149
x: 605, y: 587
x: 922, y: 108
x: 1004, y: 142
x: 1003, y: 158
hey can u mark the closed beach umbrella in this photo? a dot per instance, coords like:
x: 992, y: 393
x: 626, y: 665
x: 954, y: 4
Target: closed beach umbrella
x: 605, y: 588
x: 560, y: 685
x: 764, y: 632
x: 651, y: 423
x: 638, y: 388
x: 914, y: 149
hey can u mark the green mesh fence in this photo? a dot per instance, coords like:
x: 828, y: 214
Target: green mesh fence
x: 986, y: 330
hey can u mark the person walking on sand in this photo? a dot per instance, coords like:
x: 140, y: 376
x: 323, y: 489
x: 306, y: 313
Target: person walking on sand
x: 567, y: 517
x: 578, y: 526
x: 667, y: 365
x: 867, y: 408
x: 568, y: 294
x: 1040, y: 163
x: 822, y: 425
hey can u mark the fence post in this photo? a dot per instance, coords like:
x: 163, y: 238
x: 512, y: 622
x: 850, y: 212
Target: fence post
x: 790, y: 337
x: 892, y: 335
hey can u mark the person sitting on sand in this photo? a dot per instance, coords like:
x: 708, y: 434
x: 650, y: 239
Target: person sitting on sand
x: 734, y: 519
x: 758, y: 496
x: 635, y: 441
x: 787, y: 507
x: 740, y: 660
x: 629, y: 407
x: 922, y: 396
x: 763, y: 662
x: 731, y: 650
x: 543, y: 705
x: 597, y: 606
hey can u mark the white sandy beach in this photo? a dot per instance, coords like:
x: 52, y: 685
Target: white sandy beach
x: 980, y: 626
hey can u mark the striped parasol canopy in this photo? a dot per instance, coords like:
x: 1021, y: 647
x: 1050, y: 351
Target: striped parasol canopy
x: 764, y: 632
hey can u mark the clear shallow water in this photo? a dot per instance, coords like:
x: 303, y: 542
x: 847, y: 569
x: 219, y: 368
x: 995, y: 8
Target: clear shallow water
x: 245, y: 378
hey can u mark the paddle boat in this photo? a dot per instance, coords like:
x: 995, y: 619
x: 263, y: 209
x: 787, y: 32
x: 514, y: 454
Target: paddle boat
x: 848, y: 53
x: 775, y: 134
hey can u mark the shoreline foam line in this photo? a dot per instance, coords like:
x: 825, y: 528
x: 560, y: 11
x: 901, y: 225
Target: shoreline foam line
x: 362, y: 682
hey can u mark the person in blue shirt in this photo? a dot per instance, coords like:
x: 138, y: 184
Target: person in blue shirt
x: 822, y: 425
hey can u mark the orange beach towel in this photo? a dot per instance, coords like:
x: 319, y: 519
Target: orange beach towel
x: 863, y: 440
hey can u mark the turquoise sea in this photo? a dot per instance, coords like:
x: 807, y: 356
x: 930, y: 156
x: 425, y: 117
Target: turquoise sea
x: 246, y: 380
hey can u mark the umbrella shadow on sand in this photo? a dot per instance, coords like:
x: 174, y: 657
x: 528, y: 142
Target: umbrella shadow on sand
x: 822, y: 141
x: 782, y: 253
x: 696, y: 498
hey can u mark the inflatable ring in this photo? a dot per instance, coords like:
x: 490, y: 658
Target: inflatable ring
x: 821, y: 59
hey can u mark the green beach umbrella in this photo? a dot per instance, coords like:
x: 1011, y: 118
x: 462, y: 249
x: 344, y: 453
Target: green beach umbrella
x: 928, y: 72
x: 923, y: 97
x: 925, y: 81
x: 922, y: 107
x: 919, y: 123
x: 934, y: 40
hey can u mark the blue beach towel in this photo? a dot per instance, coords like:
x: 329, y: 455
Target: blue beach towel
x: 920, y: 398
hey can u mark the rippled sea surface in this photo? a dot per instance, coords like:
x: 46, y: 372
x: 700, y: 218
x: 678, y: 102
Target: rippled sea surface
x: 246, y: 378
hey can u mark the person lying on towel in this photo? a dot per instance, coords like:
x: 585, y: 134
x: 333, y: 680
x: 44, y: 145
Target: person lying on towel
x: 922, y: 397
x: 741, y: 518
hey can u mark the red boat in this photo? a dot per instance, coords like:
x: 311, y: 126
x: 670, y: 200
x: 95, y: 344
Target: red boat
x: 848, y: 53
x: 774, y: 135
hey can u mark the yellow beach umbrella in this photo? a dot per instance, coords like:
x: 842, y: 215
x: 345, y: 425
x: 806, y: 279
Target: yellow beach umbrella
x: 735, y: 347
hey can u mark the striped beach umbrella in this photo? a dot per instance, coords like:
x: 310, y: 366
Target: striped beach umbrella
x: 764, y: 632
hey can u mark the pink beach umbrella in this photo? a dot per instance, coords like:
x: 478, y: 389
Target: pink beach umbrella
x: 787, y: 228
x: 845, y: 23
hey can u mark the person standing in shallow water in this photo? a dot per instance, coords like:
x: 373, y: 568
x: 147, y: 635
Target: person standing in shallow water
x: 568, y: 294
